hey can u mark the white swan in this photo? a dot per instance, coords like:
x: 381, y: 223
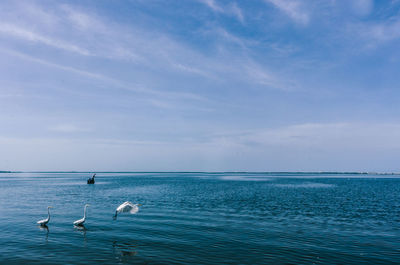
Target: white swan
x: 127, y: 207
x: 44, y: 222
x: 81, y: 221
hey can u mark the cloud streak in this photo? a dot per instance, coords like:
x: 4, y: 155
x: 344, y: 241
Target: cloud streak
x: 283, y: 81
x: 163, y: 96
x: 230, y: 10
x: 293, y: 9
x: 327, y: 136
x: 19, y: 32
x: 294, y: 147
x: 111, y: 41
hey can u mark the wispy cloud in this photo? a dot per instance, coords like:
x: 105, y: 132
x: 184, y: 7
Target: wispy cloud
x: 83, y: 21
x: 24, y: 34
x: 362, y: 7
x: 235, y: 9
x: 67, y: 28
x: 69, y: 128
x: 232, y: 9
x: 295, y: 9
x: 54, y: 65
x: 259, y: 75
x: 328, y: 136
x: 163, y: 96
x: 381, y: 31
x: 151, y: 75
x: 89, y: 35
x: 373, y: 34
x: 228, y: 37
x: 308, y: 146
x: 213, y: 5
x: 112, y: 41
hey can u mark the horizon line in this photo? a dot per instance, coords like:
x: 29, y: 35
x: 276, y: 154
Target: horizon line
x: 216, y: 172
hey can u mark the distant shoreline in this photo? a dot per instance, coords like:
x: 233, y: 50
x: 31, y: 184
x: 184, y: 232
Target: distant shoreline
x: 219, y: 172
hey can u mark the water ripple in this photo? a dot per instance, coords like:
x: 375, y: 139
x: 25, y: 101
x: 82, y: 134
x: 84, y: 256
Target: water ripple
x: 200, y: 218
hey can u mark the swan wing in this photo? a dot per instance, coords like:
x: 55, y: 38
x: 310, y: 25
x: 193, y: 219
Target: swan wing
x: 125, y: 207
x: 128, y: 207
x: 134, y: 209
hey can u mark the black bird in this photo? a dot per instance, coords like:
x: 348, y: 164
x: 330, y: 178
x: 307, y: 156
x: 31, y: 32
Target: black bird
x: 91, y: 180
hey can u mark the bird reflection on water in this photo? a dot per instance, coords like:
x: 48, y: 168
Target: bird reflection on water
x: 124, y: 249
x: 45, y: 228
x: 81, y: 229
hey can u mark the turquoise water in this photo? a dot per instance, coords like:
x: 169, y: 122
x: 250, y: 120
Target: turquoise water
x: 201, y: 218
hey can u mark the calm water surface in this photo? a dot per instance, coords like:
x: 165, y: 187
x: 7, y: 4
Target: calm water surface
x: 201, y: 218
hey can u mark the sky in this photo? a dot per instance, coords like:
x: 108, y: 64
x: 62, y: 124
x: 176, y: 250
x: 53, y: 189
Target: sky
x: 200, y: 85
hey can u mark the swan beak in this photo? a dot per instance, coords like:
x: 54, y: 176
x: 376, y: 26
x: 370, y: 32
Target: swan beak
x: 139, y: 204
x: 50, y: 207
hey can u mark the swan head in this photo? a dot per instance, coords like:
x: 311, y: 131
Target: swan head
x: 87, y: 205
x: 48, y: 207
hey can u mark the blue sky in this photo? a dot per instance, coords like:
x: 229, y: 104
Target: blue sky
x: 202, y: 85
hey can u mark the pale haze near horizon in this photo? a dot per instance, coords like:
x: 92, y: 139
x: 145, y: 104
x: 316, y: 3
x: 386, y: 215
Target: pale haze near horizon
x: 200, y: 85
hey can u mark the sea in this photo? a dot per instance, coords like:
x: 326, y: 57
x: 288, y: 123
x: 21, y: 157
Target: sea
x: 201, y: 218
